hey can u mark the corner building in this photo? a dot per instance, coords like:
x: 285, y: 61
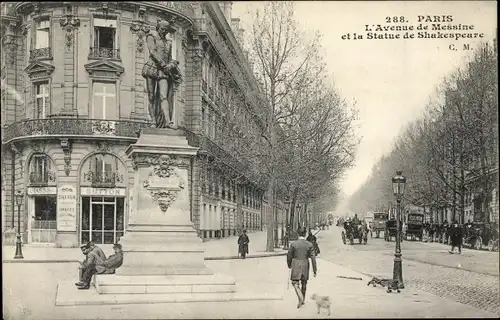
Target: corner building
x: 73, y: 99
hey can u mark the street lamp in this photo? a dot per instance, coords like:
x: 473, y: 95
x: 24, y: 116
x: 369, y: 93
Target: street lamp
x: 398, y: 187
x: 19, y: 249
x: 287, y: 226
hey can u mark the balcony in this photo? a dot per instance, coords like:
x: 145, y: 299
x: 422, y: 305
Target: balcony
x: 41, y: 179
x: 73, y: 127
x: 104, y: 53
x: 40, y: 54
x: 103, y: 179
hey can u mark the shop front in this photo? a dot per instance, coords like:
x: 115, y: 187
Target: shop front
x: 102, y: 214
x: 103, y: 193
x: 42, y: 214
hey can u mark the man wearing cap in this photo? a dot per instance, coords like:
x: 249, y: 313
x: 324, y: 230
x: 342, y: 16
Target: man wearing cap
x: 84, y: 251
x: 88, y: 267
x: 96, y: 250
x: 113, y: 262
x: 107, y: 266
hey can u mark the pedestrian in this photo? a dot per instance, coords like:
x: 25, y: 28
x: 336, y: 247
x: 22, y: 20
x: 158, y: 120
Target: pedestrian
x: 312, y: 239
x: 456, y: 235
x: 297, y: 258
x: 243, y: 241
x: 432, y: 231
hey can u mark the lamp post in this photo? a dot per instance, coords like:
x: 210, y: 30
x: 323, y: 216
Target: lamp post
x: 19, y: 249
x: 276, y: 239
x: 299, y: 216
x: 398, y: 187
x: 287, y: 225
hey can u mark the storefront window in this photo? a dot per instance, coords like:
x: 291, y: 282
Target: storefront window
x: 105, y: 217
x: 44, y: 223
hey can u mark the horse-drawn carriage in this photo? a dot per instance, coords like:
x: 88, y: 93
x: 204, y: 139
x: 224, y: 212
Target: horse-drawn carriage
x: 481, y: 235
x: 415, y: 226
x: 391, y: 230
x: 378, y: 224
x: 354, y: 231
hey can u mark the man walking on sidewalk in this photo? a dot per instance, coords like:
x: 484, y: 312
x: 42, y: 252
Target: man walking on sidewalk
x: 298, y: 257
x: 243, y: 241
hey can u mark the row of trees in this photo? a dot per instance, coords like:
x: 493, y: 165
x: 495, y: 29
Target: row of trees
x: 451, y: 152
x: 304, y: 138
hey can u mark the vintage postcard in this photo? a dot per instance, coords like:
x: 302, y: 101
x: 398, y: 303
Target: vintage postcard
x: 249, y: 159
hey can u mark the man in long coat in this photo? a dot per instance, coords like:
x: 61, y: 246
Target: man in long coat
x: 456, y: 235
x: 298, y: 257
x: 243, y: 241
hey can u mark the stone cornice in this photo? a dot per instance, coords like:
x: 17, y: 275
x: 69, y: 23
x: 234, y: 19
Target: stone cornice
x: 223, y: 26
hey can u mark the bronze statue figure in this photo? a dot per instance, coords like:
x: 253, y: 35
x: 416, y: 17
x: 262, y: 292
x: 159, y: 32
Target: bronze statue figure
x: 162, y: 76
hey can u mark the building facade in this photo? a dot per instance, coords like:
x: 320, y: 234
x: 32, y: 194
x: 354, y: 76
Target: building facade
x: 73, y: 100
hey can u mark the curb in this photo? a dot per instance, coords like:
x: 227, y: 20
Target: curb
x: 206, y: 258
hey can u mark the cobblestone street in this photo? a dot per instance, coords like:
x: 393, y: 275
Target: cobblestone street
x: 471, y: 278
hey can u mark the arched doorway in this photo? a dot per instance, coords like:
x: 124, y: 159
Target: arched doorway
x: 42, y: 199
x: 103, y: 196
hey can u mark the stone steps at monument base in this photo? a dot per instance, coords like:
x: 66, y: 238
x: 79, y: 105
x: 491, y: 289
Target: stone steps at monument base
x: 153, y: 289
x: 121, y: 284
x: 69, y: 295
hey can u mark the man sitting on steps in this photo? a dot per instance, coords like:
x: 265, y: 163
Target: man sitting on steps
x: 107, y: 266
x: 88, y: 267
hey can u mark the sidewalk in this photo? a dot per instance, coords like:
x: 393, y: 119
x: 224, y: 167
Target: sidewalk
x: 215, y: 249
x: 350, y: 298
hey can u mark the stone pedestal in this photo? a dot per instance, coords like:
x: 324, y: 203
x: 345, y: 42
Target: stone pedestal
x: 161, y: 242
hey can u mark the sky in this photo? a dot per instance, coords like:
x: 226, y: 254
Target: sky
x: 390, y: 80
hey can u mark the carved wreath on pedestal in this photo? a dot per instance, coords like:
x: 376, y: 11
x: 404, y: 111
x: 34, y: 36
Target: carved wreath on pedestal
x: 163, y: 169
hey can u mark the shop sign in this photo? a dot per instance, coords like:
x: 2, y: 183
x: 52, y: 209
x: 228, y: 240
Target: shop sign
x: 103, y: 192
x: 66, y: 208
x: 35, y: 191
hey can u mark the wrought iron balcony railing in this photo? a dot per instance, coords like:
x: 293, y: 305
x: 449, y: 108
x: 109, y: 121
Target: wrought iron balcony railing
x: 41, y: 53
x: 61, y: 127
x: 104, y: 53
x: 41, y: 178
x: 103, y: 179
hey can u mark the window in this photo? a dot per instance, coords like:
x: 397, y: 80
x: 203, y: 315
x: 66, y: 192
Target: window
x: 103, y: 171
x: 102, y: 219
x: 104, y: 100
x: 42, y: 36
x: 40, y: 170
x: 41, y: 100
x: 44, y: 223
x: 105, y: 42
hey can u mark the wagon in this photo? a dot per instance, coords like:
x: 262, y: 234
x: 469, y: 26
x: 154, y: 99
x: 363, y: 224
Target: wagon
x: 379, y: 220
x: 415, y: 226
x: 391, y: 230
x: 481, y: 235
x: 354, y: 231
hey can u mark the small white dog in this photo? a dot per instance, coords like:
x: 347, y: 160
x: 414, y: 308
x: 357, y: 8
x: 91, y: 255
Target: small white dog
x: 322, y: 302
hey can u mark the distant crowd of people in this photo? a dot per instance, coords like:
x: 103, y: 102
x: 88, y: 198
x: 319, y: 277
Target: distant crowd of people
x: 95, y: 262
